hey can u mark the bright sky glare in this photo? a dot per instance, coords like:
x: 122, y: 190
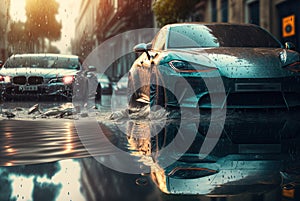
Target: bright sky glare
x: 68, y: 11
x: 17, y: 10
x: 68, y: 177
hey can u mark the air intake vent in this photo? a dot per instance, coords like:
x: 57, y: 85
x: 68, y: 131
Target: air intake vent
x: 19, y: 80
x: 245, y: 87
x: 33, y: 80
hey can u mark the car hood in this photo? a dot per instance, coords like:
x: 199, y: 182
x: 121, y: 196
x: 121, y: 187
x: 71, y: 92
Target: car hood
x: 241, y: 62
x: 46, y: 73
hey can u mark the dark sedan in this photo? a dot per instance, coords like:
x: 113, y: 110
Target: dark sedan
x: 45, y: 75
x: 215, y: 65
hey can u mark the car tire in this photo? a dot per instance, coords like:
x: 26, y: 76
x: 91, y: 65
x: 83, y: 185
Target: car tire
x: 69, y: 98
x: 6, y: 98
x: 160, y: 96
x: 157, y: 93
x: 157, y: 97
x: 98, y: 94
x: 132, y: 94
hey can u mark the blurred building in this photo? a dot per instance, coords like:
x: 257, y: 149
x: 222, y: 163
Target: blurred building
x: 4, y: 28
x: 100, y: 20
x: 280, y: 17
x: 85, y: 39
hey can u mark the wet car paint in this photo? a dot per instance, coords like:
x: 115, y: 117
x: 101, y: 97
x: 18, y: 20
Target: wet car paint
x: 261, y: 69
x: 42, y: 75
x: 45, y: 80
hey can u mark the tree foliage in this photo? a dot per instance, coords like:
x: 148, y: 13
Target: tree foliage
x: 17, y: 32
x: 53, y: 49
x: 18, y: 37
x: 172, y: 11
x: 41, y: 21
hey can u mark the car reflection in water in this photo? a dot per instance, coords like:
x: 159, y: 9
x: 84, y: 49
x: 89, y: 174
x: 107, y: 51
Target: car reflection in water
x: 252, y: 160
x: 255, y: 157
x: 248, y: 158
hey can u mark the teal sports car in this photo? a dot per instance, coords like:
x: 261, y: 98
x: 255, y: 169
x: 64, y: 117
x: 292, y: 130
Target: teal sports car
x: 215, y: 65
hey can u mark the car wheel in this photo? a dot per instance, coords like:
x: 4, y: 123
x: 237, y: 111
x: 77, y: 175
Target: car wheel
x: 2, y: 97
x: 160, y: 96
x: 132, y: 94
x: 157, y: 94
x: 69, y: 98
x: 98, y: 93
x: 157, y: 97
x: 6, y: 98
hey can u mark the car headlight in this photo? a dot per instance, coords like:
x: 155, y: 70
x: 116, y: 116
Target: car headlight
x: 183, y: 66
x: 4, y: 78
x: 68, y: 79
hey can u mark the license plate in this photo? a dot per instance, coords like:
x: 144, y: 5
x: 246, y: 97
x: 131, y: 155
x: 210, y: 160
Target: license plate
x: 28, y: 88
x: 252, y: 87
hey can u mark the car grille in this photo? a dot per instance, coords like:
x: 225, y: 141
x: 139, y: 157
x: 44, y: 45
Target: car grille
x: 250, y: 99
x: 248, y: 87
x: 256, y: 100
x: 32, y: 80
x: 20, y: 80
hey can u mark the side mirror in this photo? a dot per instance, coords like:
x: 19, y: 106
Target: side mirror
x: 143, y: 47
x: 149, y: 46
x: 290, y: 46
x: 92, y: 69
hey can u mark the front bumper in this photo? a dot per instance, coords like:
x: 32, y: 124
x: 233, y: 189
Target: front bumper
x: 53, y: 89
x: 220, y: 92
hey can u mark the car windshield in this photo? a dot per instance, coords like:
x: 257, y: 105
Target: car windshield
x: 42, y: 62
x: 195, y: 36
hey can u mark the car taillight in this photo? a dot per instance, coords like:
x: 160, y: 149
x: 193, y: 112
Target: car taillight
x: 68, y: 79
x: 183, y: 66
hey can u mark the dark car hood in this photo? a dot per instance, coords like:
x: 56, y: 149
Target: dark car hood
x: 44, y: 72
x: 241, y: 62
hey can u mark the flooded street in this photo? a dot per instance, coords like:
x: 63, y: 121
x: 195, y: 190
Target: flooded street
x: 150, y: 100
x: 37, y: 138
x: 110, y: 153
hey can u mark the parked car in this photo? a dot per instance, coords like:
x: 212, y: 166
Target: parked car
x: 120, y: 87
x: 257, y: 71
x: 104, y: 86
x: 43, y: 75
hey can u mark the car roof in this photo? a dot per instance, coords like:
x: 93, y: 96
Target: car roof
x: 46, y: 55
